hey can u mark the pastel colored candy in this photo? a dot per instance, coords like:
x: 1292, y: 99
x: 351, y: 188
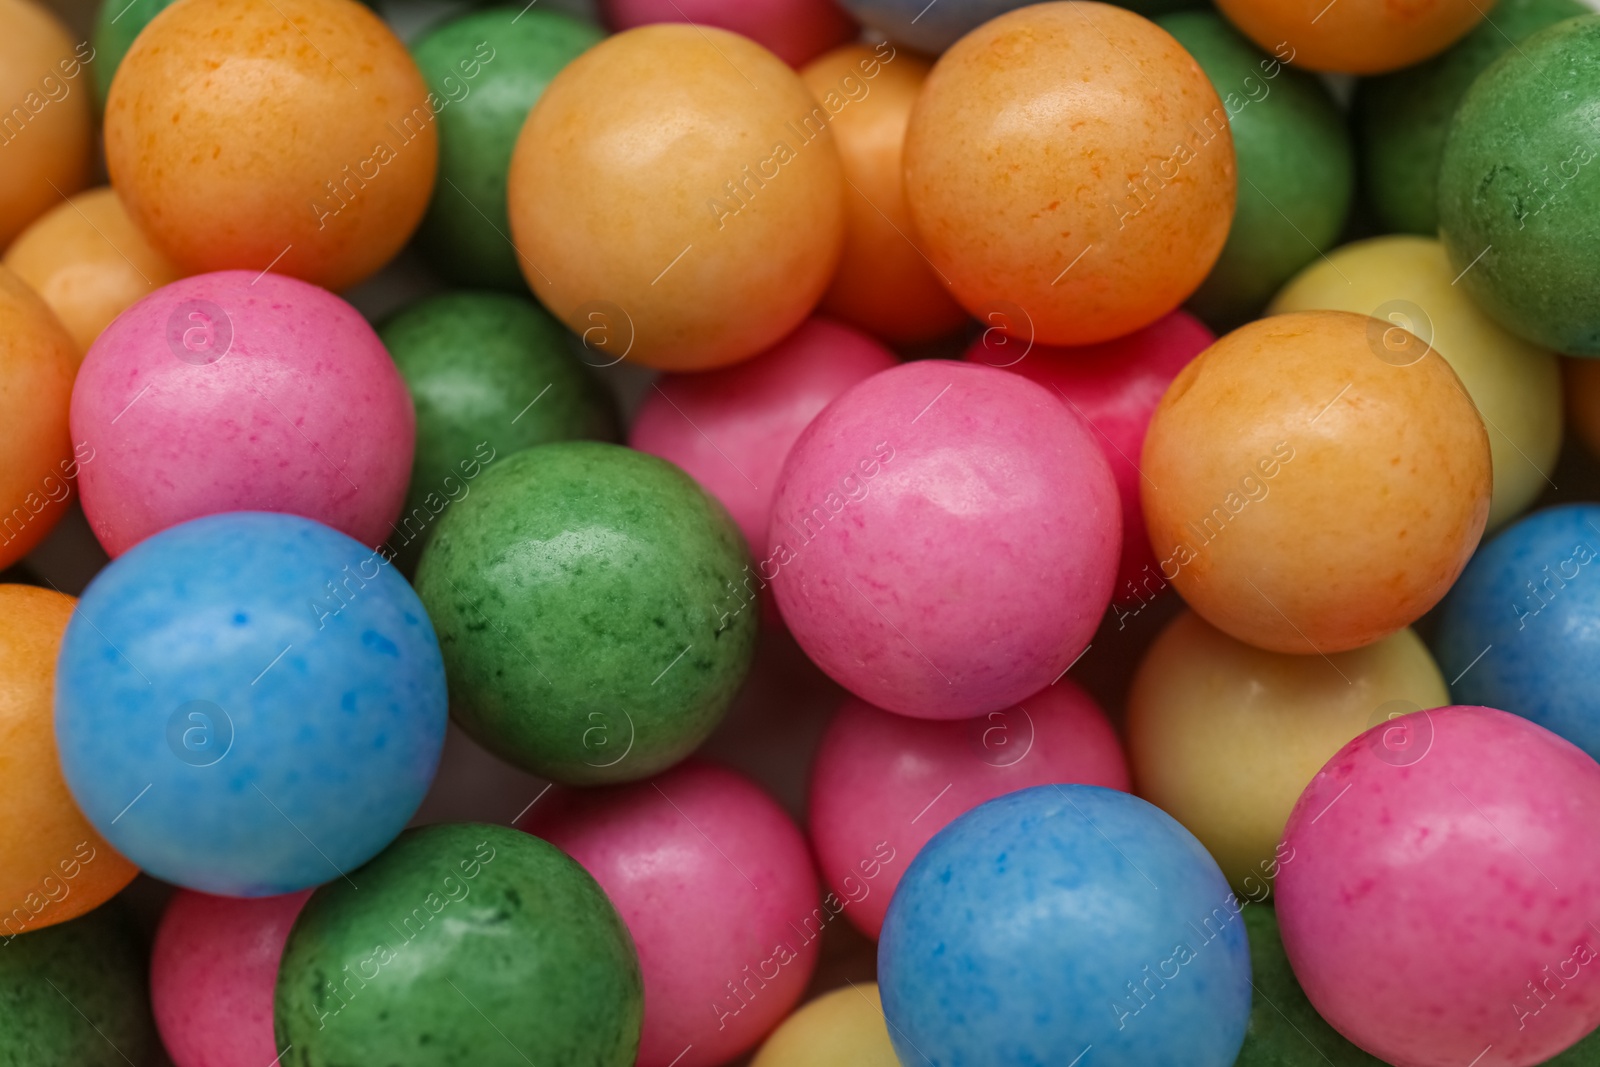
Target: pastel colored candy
x: 1484, y: 821
x: 249, y: 704
x: 213, y: 969
x: 796, y: 31
x: 577, y: 593
x: 882, y: 785
x: 36, y: 364
x: 844, y: 1026
x: 1059, y: 919
x: 460, y: 943
x: 716, y: 885
x: 944, y: 539
x: 47, y: 125
x: 1364, y: 37
x: 206, y: 377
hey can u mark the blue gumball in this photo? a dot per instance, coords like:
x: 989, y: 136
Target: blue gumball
x: 1520, y: 630
x: 249, y: 704
x: 1065, y: 925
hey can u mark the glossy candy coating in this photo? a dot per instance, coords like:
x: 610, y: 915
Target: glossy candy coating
x: 626, y: 199
x: 1474, y: 817
x: 1363, y: 37
x: 577, y: 593
x: 464, y: 943
x: 844, y: 1026
x: 882, y: 785
x: 37, y: 460
x: 796, y: 31
x: 944, y: 539
x: 1066, y: 238
x: 1018, y: 929
x: 47, y: 131
x: 249, y: 704
x: 1314, y: 488
x: 206, y: 377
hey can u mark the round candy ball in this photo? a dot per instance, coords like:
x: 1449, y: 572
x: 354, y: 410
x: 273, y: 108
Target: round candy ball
x: 713, y: 234
x: 1223, y: 736
x: 1315, y: 484
x: 1060, y: 919
x: 882, y: 785
x: 578, y: 596
x: 460, y: 943
x: 37, y: 358
x: 1082, y: 245
x: 1363, y: 37
x: 213, y: 969
x: 487, y: 68
x: 732, y: 428
x: 796, y: 31
x: 249, y: 704
x: 844, y: 1026
x: 47, y: 129
x: 716, y: 885
x: 326, y: 84
x: 208, y: 377
x: 1485, y: 822
x: 944, y: 539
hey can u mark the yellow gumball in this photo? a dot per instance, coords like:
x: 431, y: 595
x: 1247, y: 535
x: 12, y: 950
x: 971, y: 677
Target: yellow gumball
x: 1516, y: 386
x: 1224, y: 736
x: 844, y: 1026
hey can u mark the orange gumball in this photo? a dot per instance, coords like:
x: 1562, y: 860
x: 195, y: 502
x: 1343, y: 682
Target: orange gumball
x: 676, y: 198
x: 46, y: 126
x: 296, y: 135
x: 1354, y: 36
x: 89, y: 262
x: 53, y: 865
x: 884, y: 284
x: 1071, y: 171
x: 37, y: 465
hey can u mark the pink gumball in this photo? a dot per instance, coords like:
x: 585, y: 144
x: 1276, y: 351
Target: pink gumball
x: 1440, y: 890
x: 731, y: 428
x: 240, y: 392
x: 796, y: 31
x: 944, y: 539
x: 717, y: 888
x: 212, y: 972
x: 883, y: 785
x: 1115, y: 386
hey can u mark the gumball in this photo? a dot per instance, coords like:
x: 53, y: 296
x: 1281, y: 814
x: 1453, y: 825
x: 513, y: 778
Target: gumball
x: 884, y: 283
x: 486, y: 68
x: 844, y: 1026
x: 1582, y: 387
x: 1314, y: 483
x: 36, y: 364
x: 1482, y: 820
x: 89, y: 263
x: 1364, y: 37
x: 490, y: 374
x: 77, y: 994
x: 1516, y: 387
x: 53, y: 865
x: 316, y: 133
x: 1059, y: 919
x: 944, y: 539
x: 731, y: 428
x: 1296, y: 167
x: 1513, y: 214
x: 717, y: 888
x: 46, y: 129
x: 1223, y: 736
x: 212, y: 972
x: 1115, y: 386
x: 716, y: 230
x: 577, y: 593
x: 207, y: 376
x: 1401, y: 118
x: 1082, y: 245
x: 883, y: 784
x: 249, y: 704
x: 460, y: 943
x: 796, y: 31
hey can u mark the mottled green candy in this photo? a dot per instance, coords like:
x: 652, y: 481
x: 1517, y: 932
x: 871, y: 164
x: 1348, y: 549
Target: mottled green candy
x: 460, y: 945
x: 1401, y: 118
x: 1519, y: 189
x: 76, y: 995
x: 489, y: 67
x: 491, y: 374
x: 577, y: 594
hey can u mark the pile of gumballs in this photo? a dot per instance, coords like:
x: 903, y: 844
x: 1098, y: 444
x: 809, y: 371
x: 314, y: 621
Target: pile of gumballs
x: 1095, y: 577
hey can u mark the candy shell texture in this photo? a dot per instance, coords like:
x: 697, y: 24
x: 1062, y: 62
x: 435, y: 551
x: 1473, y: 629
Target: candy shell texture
x: 46, y: 129
x: 465, y: 944
x: 1357, y: 36
x: 844, y: 1026
x: 1022, y: 933
x: 796, y: 31
x: 249, y: 704
x: 37, y: 358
